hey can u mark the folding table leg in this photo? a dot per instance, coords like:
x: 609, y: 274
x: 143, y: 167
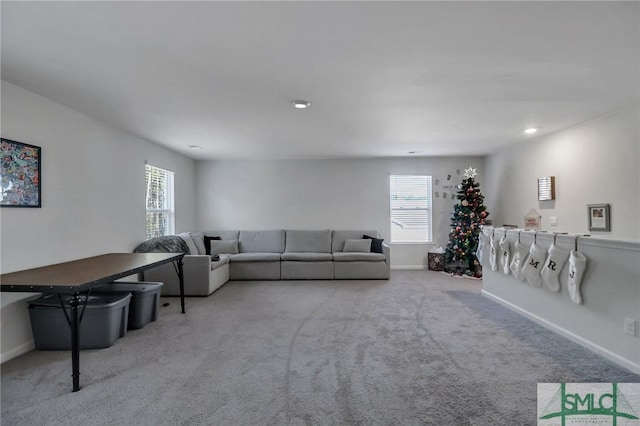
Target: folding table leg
x: 75, y: 341
x: 181, y: 279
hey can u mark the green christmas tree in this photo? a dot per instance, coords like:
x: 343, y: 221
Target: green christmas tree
x: 467, y: 217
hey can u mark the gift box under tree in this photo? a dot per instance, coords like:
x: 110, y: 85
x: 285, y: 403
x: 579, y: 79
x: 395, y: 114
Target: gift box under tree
x: 435, y: 261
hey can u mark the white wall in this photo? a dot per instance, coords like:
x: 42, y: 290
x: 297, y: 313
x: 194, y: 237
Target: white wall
x: 610, y: 292
x: 321, y: 194
x: 595, y: 162
x: 92, y: 184
x: 92, y: 190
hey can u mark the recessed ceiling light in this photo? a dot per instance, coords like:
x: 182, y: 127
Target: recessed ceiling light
x: 531, y: 130
x: 301, y: 104
x: 195, y: 147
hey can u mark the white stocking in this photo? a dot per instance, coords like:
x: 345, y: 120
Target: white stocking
x: 505, y: 254
x: 531, y: 269
x: 518, y: 260
x: 480, y: 249
x: 493, y: 255
x: 552, y: 267
x: 577, y: 266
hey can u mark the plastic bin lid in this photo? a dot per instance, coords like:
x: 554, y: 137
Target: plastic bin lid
x: 94, y: 301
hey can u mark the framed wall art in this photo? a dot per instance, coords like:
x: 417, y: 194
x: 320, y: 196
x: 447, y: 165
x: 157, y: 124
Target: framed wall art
x: 547, y: 188
x: 20, y: 179
x: 599, y: 217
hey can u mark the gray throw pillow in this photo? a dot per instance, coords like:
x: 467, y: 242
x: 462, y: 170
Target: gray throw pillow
x: 360, y: 246
x: 224, y: 247
x: 207, y: 243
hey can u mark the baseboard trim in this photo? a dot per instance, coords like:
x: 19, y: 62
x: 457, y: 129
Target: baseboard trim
x: 611, y: 356
x: 409, y: 267
x: 17, y: 351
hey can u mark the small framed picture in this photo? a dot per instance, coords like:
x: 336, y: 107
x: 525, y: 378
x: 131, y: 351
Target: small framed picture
x: 20, y: 180
x: 533, y: 220
x: 599, y: 217
x: 547, y: 188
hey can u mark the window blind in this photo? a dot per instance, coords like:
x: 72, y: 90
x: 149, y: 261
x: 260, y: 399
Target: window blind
x: 410, y: 208
x: 160, y: 216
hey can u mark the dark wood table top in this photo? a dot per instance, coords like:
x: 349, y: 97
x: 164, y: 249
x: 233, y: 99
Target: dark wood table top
x: 82, y: 274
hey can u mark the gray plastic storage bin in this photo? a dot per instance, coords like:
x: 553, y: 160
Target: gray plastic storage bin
x: 104, y: 321
x: 145, y: 300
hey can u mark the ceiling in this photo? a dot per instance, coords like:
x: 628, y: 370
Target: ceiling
x: 384, y: 78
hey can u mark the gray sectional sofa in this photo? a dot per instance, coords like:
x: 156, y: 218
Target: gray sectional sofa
x: 275, y: 255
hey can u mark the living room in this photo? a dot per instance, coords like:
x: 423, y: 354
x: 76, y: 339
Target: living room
x: 96, y: 139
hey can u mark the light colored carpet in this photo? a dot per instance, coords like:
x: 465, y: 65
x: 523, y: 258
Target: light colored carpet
x: 421, y: 348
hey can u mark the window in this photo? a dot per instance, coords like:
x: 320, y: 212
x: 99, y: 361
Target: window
x: 159, y: 202
x: 410, y: 208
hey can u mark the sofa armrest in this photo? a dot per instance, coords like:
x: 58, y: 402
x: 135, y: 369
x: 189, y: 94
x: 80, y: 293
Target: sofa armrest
x: 196, y: 260
x: 386, y: 250
x: 197, y: 268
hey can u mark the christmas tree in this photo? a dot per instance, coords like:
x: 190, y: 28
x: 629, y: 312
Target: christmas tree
x: 467, y: 216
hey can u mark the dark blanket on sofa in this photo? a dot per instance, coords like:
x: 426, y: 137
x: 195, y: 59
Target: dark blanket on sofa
x: 166, y: 244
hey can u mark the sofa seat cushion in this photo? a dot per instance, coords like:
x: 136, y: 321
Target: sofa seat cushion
x: 308, y: 257
x: 224, y: 260
x: 356, y: 256
x: 255, y: 257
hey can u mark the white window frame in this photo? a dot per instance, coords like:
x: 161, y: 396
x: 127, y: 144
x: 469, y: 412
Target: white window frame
x: 159, y: 204
x: 411, y: 213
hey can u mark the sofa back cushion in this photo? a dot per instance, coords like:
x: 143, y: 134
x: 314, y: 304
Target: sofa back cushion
x: 308, y: 241
x: 198, y: 240
x: 338, y: 238
x: 262, y: 241
x: 186, y: 236
x: 224, y: 235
